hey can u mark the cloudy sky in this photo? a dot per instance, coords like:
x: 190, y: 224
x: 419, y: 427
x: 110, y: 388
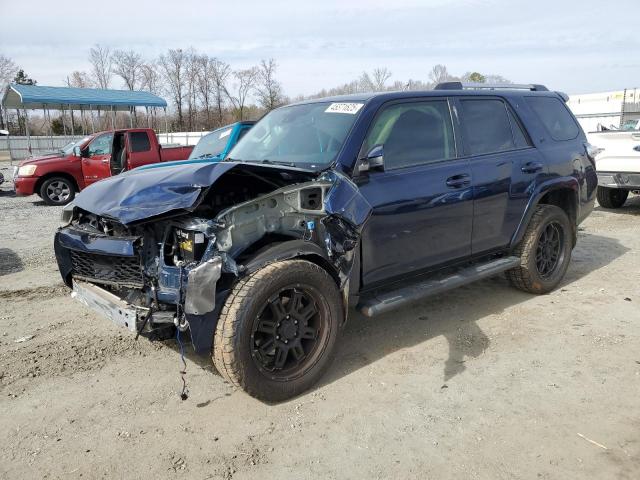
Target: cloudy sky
x: 573, y: 45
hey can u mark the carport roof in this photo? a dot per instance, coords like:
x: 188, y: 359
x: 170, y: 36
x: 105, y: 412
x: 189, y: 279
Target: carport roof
x: 37, y: 96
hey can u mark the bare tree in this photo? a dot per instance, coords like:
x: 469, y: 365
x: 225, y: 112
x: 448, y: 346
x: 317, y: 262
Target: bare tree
x: 221, y: 72
x: 150, y: 79
x: 101, y: 61
x: 191, y: 79
x: 206, y: 84
x: 8, y: 70
x: 380, y: 76
x: 173, y: 66
x: 268, y: 89
x: 79, y: 79
x: 128, y: 65
x: 376, y: 82
x: 439, y: 74
x: 245, y: 81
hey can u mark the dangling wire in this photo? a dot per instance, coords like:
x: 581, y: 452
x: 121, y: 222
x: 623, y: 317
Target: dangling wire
x: 185, y: 392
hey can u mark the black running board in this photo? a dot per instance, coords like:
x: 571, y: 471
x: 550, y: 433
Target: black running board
x: 385, y: 301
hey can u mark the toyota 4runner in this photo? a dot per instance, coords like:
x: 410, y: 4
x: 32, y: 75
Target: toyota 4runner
x: 369, y: 201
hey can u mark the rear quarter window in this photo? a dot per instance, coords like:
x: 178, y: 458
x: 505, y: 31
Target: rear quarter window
x: 555, y: 117
x: 139, y: 142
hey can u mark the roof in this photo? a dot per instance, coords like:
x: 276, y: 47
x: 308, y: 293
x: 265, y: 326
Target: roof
x: 37, y: 96
x: 402, y: 94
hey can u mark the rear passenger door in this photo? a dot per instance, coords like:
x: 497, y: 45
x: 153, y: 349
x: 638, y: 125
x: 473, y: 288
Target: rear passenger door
x: 139, y: 150
x: 422, y: 202
x: 504, y: 166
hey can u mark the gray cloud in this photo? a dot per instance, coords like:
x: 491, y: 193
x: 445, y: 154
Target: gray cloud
x: 572, y: 45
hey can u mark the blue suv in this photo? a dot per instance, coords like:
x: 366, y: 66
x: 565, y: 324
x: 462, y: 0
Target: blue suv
x: 368, y: 201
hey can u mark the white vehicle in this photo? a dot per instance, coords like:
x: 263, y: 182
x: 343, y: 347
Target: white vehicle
x: 618, y: 163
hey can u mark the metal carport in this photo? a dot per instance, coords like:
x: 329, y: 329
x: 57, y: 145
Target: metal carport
x: 32, y: 97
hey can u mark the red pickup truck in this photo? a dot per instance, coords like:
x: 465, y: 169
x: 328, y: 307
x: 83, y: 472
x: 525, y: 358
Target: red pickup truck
x: 58, y: 176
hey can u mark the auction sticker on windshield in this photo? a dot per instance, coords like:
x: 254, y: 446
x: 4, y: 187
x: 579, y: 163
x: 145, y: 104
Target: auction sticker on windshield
x: 351, y: 108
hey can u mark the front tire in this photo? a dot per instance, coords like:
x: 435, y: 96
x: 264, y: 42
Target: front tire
x: 612, y: 197
x: 277, y: 330
x: 545, y: 251
x: 57, y: 191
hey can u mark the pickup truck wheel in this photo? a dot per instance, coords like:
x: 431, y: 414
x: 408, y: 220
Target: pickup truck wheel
x: 57, y: 191
x: 612, y: 197
x: 277, y: 330
x: 545, y: 251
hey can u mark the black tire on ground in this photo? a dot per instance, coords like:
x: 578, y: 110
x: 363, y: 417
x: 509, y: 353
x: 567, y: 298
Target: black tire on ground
x: 249, y: 347
x: 57, y: 191
x: 543, y: 260
x: 612, y: 197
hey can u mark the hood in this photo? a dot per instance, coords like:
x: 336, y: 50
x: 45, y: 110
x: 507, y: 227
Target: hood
x: 52, y: 157
x: 212, y: 158
x: 141, y: 194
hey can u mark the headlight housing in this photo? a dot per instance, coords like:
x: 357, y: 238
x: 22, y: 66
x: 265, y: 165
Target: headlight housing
x: 67, y: 214
x: 27, y: 170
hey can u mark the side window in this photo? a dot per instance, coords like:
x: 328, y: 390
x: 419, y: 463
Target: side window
x: 555, y: 117
x: 101, y: 145
x: 519, y: 135
x: 486, y: 126
x: 139, y: 142
x: 414, y: 133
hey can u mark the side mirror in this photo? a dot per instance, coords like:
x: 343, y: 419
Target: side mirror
x: 373, y: 161
x: 76, y: 151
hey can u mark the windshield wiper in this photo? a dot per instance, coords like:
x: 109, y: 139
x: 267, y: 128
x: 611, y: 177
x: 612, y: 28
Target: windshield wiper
x: 276, y: 162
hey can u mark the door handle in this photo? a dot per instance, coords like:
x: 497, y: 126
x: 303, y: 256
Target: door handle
x: 531, y: 167
x: 105, y: 160
x: 458, y: 181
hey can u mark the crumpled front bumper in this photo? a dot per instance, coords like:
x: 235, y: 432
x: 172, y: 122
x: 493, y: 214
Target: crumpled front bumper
x: 629, y: 181
x: 191, y: 290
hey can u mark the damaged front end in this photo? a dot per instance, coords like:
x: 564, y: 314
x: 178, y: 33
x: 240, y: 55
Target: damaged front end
x: 153, y: 266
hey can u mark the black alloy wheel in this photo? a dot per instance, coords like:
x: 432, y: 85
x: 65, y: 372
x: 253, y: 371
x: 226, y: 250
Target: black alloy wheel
x: 287, y: 332
x: 549, y: 249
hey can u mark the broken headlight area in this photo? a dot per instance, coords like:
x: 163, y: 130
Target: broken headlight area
x: 179, y: 268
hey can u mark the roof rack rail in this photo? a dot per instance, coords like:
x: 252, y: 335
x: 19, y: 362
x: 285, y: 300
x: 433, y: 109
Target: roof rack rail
x: 490, y: 86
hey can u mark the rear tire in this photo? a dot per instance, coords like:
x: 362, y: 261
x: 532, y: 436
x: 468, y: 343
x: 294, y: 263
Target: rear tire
x: 545, y: 251
x: 57, y: 191
x: 612, y: 197
x: 277, y: 330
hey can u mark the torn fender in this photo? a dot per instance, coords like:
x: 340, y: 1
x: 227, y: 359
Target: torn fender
x: 345, y: 200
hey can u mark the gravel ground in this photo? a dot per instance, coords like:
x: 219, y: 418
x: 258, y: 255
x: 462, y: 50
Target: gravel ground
x: 484, y: 382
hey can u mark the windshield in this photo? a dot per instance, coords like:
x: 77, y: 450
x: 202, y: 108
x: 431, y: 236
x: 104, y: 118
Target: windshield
x: 211, y: 144
x: 306, y: 136
x: 630, y: 125
x: 68, y: 148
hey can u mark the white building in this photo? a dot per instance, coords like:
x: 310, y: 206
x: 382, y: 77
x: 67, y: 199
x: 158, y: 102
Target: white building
x: 608, y: 109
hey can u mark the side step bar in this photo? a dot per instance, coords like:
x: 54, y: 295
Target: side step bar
x: 384, y: 302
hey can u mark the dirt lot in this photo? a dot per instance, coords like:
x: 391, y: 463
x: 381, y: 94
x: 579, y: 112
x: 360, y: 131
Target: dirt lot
x: 484, y: 382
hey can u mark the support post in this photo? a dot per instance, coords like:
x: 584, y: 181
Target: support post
x: 26, y: 129
x: 64, y: 128
x: 166, y: 124
x: 50, y: 129
x: 93, y: 126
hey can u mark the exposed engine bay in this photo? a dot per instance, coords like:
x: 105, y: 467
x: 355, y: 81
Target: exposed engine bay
x: 175, y: 268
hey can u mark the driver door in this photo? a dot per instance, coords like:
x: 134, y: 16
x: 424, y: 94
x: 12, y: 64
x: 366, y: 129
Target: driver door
x: 96, y: 158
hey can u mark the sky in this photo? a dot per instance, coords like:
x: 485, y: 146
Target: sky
x: 577, y: 46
